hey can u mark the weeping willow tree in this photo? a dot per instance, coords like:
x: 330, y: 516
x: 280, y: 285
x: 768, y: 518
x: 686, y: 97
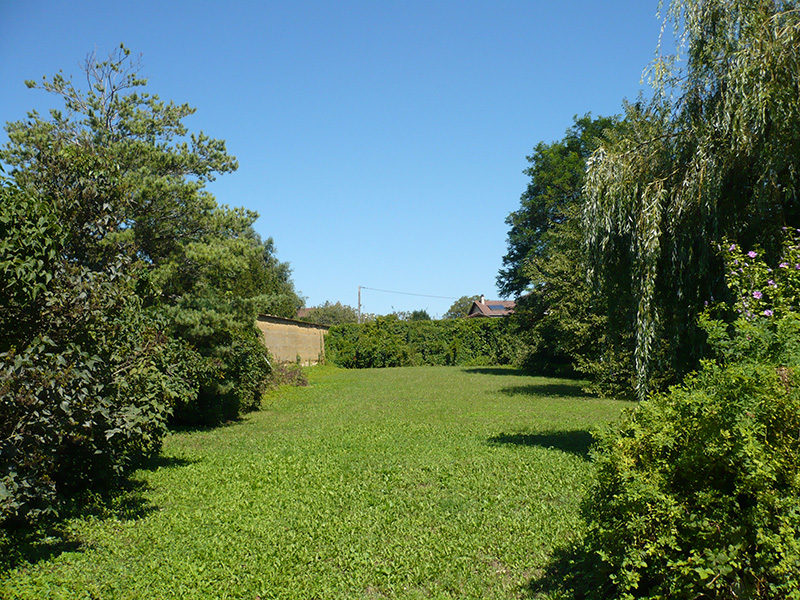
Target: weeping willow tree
x: 714, y: 154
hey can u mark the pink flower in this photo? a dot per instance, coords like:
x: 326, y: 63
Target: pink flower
x: 784, y: 265
x: 767, y: 313
x: 732, y: 248
x: 752, y: 254
x: 757, y: 295
x: 771, y: 283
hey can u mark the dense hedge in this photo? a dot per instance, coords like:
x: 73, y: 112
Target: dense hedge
x: 698, y: 493
x: 389, y: 342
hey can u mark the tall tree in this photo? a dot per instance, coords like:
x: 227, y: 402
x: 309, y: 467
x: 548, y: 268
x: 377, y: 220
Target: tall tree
x: 127, y: 180
x: 563, y: 321
x: 161, y: 169
x: 557, y: 174
x: 127, y: 294
x: 714, y: 154
x: 142, y: 191
x: 460, y: 308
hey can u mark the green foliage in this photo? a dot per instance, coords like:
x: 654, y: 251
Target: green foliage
x: 128, y: 294
x: 331, y: 314
x: 410, y: 483
x: 419, y: 315
x: 556, y: 174
x: 231, y: 378
x: 30, y: 243
x: 698, y: 492
x: 390, y: 342
x: 460, y: 308
x: 83, y: 397
x: 718, y: 161
x: 161, y: 168
x: 564, y: 322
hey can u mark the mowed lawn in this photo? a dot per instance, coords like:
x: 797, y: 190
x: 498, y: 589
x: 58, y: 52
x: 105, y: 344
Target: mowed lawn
x: 418, y: 482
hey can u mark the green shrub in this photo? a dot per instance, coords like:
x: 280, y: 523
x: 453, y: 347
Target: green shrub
x: 83, y: 398
x: 698, y: 488
x: 388, y: 342
x: 227, y: 383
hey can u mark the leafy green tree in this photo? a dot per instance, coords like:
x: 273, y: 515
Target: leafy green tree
x: 160, y: 172
x: 88, y: 379
x: 419, y: 315
x: 557, y: 174
x: 127, y: 294
x: 563, y: 321
x: 147, y: 182
x: 460, y: 308
x: 719, y: 160
x: 142, y: 193
x: 332, y: 314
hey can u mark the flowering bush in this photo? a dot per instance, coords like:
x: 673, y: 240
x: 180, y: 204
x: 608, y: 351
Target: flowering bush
x: 698, y: 488
x: 762, y: 290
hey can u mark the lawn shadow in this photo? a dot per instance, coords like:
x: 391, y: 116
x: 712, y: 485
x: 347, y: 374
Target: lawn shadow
x: 553, y: 390
x: 572, y: 574
x: 575, y: 442
x: 192, y: 427
x: 22, y: 546
x: 126, y: 500
x: 497, y: 371
x: 166, y: 462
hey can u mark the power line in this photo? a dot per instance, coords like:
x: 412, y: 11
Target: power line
x: 407, y: 293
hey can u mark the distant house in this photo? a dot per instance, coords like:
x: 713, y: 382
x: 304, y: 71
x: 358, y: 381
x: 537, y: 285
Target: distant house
x: 491, y: 308
x: 304, y: 312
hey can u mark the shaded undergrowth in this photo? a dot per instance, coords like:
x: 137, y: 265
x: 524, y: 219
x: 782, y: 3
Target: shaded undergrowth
x: 571, y: 574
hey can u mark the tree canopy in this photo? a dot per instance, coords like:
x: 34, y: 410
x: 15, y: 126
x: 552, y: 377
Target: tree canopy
x: 460, y: 308
x: 128, y: 294
x: 712, y: 155
x: 562, y: 319
x: 329, y: 313
x: 556, y: 180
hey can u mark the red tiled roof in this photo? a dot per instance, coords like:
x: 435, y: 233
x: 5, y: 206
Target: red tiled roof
x: 492, y: 308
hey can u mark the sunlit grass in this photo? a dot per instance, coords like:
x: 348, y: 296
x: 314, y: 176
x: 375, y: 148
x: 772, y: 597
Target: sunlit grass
x: 397, y: 483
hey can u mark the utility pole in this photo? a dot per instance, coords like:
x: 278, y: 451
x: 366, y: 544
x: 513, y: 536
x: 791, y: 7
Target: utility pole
x: 359, y: 305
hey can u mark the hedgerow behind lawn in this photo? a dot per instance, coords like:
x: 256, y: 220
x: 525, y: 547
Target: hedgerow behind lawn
x: 427, y: 482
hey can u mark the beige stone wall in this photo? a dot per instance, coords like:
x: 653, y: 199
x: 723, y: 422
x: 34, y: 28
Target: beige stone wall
x: 287, y: 339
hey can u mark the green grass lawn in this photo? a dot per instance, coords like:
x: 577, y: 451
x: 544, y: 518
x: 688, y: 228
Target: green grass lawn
x: 426, y: 482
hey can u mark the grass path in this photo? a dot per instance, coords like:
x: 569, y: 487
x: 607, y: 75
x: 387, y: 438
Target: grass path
x: 396, y: 483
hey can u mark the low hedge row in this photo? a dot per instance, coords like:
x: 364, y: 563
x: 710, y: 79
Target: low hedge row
x: 389, y: 342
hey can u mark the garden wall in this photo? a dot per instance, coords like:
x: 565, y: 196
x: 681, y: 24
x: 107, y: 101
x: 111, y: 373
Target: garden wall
x: 289, y: 340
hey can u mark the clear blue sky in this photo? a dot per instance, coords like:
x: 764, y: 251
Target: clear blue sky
x: 382, y: 143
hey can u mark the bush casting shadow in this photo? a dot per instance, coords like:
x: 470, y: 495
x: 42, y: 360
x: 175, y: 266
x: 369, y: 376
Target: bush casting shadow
x: 575, y: 442
x: 126, y: 501
x: 573, y: 573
